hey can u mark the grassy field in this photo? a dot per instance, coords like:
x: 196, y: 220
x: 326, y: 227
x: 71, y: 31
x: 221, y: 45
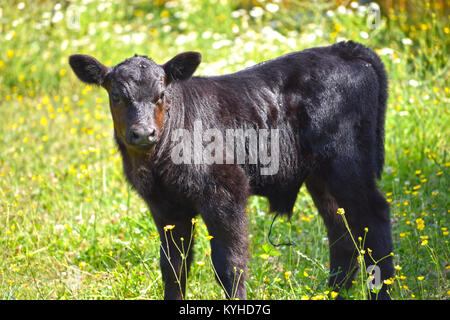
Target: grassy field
x: 70, y: 226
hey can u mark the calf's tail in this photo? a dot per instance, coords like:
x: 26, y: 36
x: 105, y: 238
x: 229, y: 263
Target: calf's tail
x: 353, y: 50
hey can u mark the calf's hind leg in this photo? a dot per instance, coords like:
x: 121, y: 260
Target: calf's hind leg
x: 342, y: 249
x: 364, y: 207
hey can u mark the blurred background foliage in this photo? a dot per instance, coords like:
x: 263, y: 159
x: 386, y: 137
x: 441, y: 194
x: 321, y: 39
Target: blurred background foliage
x: 71, y: 227
x: 39, y: 35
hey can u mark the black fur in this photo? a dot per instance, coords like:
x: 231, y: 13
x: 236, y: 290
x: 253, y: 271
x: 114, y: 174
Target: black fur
x: 329, y: 105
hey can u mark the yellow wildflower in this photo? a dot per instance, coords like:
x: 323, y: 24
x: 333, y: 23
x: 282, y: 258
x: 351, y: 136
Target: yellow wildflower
x: 420, y: 224
x: 165, y: 14
x: 43, y: 121
x: 169, y: 227
x: 287, y: 274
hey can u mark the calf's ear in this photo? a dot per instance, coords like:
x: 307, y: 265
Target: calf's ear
x: 182, y: 66
x: 88, y: 69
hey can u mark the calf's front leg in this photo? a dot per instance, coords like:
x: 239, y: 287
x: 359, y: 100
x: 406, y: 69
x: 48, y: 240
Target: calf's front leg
x: 176, y: 253
x: 229, y: 249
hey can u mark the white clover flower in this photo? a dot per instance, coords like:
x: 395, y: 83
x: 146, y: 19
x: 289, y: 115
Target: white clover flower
x: 407, y: 41
x: 138, y: 38
x: 386, y: 51
x: 374, y: 6
x: 257, y: 12
x: 183, y: 25
x: 207, y: 34
x: 249, y: 46
x: 58, y: 228
x: 58, y: 16
x: 413, y: 83
x: 319, y: 32
x: 272, y: 7
x: 238, y: 13
x: 311, y: 37
x: 341, y: 10
x: 222, y: 43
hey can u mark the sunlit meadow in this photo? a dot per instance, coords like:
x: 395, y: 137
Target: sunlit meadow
x: 70, y: 226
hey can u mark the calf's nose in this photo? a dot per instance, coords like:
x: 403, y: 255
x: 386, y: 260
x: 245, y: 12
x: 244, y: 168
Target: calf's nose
x: 141, y: 136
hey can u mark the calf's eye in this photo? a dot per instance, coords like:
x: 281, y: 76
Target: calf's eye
x: 115, y: 99
x: 159, y: 100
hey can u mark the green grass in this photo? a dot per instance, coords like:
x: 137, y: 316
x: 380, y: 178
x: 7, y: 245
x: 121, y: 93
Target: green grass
x: 70, y: 226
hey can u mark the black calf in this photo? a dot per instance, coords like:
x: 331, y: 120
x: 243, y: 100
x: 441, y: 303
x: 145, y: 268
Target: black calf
x: 328, y: 105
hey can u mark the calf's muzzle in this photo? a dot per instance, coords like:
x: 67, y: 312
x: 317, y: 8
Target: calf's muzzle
x: 141, y: 136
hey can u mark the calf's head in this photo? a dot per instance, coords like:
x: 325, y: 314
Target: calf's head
x: 136, y: 90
